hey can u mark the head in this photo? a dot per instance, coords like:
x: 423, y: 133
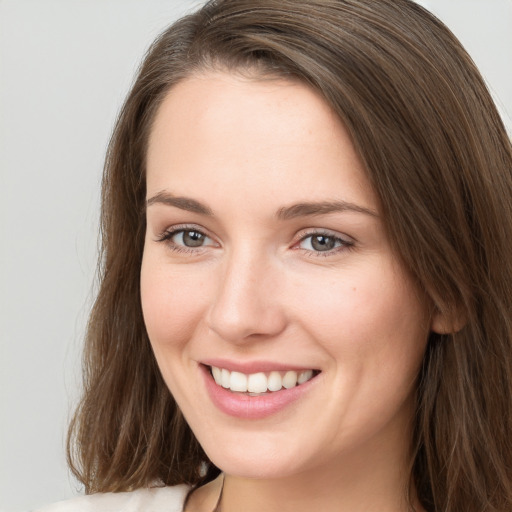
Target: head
x: 437, y: 162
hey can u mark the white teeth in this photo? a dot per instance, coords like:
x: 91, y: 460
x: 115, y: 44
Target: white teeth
x: 274, y: 381
x: 290, y: 379
x: 224, y: 378
x: 238, y: 382
x: 305, y: 376
x: 259, y: 383
x: 217, y: 375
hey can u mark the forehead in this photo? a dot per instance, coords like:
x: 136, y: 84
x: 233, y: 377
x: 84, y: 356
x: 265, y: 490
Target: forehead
x: 276, y: 134
x: 221, y: 100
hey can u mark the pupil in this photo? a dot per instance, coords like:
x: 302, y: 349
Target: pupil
x: 322, y: 243
x: 192, y: 239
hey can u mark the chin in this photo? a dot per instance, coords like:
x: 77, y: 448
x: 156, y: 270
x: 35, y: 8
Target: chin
x: 259, y: 460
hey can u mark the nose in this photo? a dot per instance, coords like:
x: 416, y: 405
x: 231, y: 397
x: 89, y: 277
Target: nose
x: 247, y: 304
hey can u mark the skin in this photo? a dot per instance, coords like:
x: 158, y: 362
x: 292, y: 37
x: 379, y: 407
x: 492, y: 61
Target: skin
x: 257, y: 289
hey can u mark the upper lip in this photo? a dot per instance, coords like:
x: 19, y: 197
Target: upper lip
x: 249, y: 367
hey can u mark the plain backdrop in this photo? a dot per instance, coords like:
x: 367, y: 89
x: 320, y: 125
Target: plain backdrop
x: 65, y: 67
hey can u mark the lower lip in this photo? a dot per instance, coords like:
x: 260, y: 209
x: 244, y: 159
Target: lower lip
x: 252, y: 407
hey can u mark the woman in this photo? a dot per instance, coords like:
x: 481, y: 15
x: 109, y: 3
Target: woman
x: 306, y: 284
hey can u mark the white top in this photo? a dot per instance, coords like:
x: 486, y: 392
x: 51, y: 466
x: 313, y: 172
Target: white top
x: 156, y: 499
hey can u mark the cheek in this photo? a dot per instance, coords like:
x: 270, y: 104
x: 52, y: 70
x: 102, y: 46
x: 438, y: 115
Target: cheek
x: 172, y: 303
x: 373, y: 316
x: 374, y: 329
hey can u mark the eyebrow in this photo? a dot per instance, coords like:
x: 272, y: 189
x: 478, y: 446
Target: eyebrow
x: 321, y: 208
x: 305, y: 209
x: 183, y: 203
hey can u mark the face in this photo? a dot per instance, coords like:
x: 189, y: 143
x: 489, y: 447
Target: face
x: 279, y: 316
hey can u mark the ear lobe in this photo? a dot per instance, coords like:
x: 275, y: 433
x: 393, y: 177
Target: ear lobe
x: 447, y: 323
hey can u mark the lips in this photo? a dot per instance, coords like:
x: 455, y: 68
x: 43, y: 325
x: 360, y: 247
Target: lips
x: 255, y: 394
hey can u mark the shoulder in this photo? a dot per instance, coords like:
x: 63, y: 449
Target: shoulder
x: 155, y: 499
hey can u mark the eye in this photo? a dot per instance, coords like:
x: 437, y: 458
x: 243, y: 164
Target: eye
x: 185, y: 239
x: 189, y: 238
x: 323, y: 243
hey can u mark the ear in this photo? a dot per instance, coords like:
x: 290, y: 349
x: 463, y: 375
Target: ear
x: 448, y: 322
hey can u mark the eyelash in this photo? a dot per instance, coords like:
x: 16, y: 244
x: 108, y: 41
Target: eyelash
x: 344, y: 244
x: 168, y: 234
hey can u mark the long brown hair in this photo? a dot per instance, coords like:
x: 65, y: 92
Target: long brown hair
x: 438, y: 156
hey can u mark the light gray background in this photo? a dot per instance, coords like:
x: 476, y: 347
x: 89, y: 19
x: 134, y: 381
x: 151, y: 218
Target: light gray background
x: 65, y: 66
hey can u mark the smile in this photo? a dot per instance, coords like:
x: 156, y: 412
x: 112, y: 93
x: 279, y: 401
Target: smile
x: 256, y: 390
x: 256, y: 384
